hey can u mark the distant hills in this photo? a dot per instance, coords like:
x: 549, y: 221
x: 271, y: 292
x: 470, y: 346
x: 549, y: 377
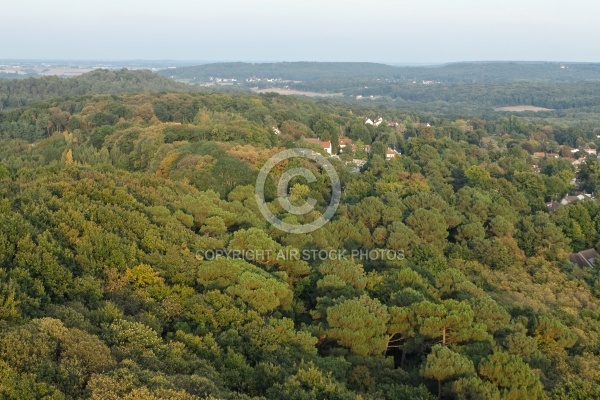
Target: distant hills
x: 476, y: 72
x: 16, y: 93
x: 451, y: 89
x: 300, y: 71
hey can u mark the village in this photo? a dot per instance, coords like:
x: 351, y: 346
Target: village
x: 585, y: 152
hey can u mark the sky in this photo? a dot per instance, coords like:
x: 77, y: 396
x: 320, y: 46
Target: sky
x: 388, y: 31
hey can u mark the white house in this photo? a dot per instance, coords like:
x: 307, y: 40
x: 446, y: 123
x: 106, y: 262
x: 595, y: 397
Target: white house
x: 391, y: 153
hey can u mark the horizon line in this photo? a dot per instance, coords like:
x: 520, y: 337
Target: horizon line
x: 390, y: 63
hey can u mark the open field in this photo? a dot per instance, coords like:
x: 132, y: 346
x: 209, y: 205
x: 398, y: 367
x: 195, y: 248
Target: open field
x: 296, y: 92
x: 521, y: 108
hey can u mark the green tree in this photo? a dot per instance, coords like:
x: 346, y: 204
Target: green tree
x: 512, y: 376
x: 359, y: 324
x: 444, y: 364
x: 430, y: 226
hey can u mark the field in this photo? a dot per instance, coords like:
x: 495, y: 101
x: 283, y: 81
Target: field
x: 295, y: 92
x: 522, y: 108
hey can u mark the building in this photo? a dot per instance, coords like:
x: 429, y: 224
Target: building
x: 326, y: 145
x: 391, y: 153
x: 375, y: 122
x: 565, y: 201
x: 585, y: 258
x: 343, y: 142
x: 572, y: 199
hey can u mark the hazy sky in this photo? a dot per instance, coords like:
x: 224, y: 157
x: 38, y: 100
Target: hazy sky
x: 426, y: 31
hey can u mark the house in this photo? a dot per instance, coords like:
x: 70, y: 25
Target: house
x: 591, y: 152
x: 391, y: 153
x: 585, y: 258
x: 369, y: 121
x: 378, y: 121
x: 539, y: 154
x: 343, y: 142
x: 326, y: 145
x: 571, y: 199
x: 552, y: 155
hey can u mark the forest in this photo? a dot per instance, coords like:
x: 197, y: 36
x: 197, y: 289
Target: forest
x: 569, y: 91
x: 16, y: 93
x: 475, y: 72
x: 111, y: 184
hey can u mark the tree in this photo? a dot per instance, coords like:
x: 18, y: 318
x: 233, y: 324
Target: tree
x: 537, y: 234
x: 443, y: 364
x: 62, y: 357
x: 425, y: 321
x: 477, y: 177
x: 474, y: 388
x: 257, y: 288
x: 512, y: 376
x: 430, y: 226
x: 359, y: 324
x: 310, y: 383
x: 589, y: 174
x: 326, y: 129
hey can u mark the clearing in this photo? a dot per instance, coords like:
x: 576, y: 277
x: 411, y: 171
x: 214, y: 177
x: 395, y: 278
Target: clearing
x: 522, y: 108
x: 296, y: 92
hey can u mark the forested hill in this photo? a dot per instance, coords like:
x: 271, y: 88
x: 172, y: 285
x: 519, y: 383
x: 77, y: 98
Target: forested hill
x: 19, y: 92
x: 300, y: 71
x: 448, y: 73
x: 108, y: 204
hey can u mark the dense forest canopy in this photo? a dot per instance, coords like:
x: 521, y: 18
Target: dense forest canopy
x: 480, y: 72
x: 16, y: 93
x: 565, y: 89
x: 109, y: 199
x: 564, y: 101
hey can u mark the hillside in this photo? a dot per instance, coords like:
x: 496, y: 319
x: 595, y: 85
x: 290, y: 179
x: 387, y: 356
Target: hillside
x: 19, y: 92
x: 448, y: 74
x: 570, y: 92
x: 112, y: 208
